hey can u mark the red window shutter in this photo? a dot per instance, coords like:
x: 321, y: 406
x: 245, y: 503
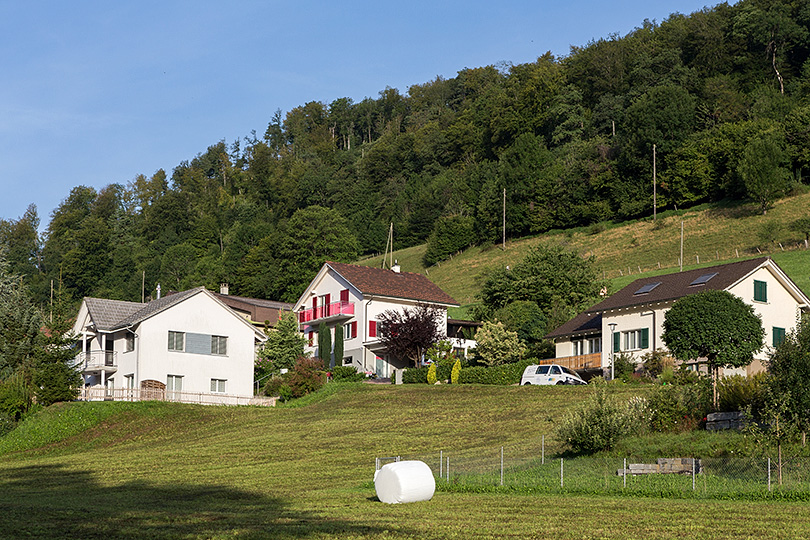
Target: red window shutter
x: 327, y: 309
x: 344, y: 295
x: 311, y: 336
x: 372, y: 328
x: 354, y: 329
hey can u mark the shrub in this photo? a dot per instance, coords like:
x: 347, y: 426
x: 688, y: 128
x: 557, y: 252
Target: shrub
x: 346, y: 374
x: 415, y: 376
x: 654, y: 362
x: 456, y: 372
x: 678, y: 408
x: 496, y: 346
x: 623, y: 366
x: 738, y: 393
x: 273, y: 385
x: 601, y: 422
x: 431, y: 374
x: 505, y: 374
x: 307, y: 376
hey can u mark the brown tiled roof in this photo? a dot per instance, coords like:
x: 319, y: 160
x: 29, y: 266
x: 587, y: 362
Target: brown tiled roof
x: 584, y: 323
x: 677, y: 285
x: 406, y: 285
x: 669, y: 288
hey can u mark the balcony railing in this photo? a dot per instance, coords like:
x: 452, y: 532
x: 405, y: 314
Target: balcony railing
x: 96, y: 360
x: 335, y: 309
x: 582, y: 361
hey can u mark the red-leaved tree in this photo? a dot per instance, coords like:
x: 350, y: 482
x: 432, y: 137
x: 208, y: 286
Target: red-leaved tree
x: 407, y: 334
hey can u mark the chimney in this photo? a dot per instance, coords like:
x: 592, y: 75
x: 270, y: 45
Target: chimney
x: 223, y: 289
x: 395, y: 267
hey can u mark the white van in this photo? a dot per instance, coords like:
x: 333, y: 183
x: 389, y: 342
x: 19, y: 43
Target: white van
x: 550, y: 374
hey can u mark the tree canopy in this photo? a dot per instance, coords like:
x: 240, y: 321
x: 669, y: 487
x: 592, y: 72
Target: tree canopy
x: 407, y: 334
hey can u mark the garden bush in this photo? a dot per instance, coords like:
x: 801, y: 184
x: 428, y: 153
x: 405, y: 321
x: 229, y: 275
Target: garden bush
x: 415, y: 376
x: 738, y: 393
x: 307, y: 376
x: 431, y: 374
x: 679, y: 407
x: 602, y: 421
x: 504, y: 374
x: 454, y: 374
x: 346, y: 374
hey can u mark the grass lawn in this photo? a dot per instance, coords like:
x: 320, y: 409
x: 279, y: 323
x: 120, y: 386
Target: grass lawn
x: 157, y: 470
x: 713, y: 234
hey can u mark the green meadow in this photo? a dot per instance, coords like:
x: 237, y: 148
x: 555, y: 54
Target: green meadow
x: 163, y: 470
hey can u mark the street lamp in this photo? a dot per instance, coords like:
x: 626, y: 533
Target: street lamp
x: 612, y: 348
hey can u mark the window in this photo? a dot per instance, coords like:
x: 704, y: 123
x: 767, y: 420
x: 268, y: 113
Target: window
x: 647, y: 288
x: 129, y: 342
x: 218, y: 386
x: 311, y: 338
x: 130, y: 381
x: 555, y: 370
x: 350, y: 330
x: 174, y: 385
x: 778, y: 336
x: 219, y: 345
x: 176, y: 340
x: 595, y: 345
x: 760, y: 291
x: 636, y: 339
x: 347, y: 361
x: 617, y: 339
x: 579, y: 348
x: 704, y: 279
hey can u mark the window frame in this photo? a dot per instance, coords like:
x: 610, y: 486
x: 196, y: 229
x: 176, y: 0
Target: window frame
x: 218, y: 386
x: 760, y: 291
x: 219, y: 345
x: 778, y: 335
x: 173, y: 339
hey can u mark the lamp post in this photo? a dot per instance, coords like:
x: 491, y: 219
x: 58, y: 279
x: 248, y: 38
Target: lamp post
x: 612, y: 349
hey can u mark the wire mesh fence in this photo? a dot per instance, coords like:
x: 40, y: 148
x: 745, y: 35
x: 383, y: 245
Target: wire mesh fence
x: 512, y: 469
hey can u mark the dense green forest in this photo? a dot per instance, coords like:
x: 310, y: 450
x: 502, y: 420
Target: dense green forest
x: 723, y: 94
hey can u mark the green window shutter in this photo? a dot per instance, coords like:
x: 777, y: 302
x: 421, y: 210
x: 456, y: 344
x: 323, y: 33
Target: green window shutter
x: 644, y: 339
x: 617, y: 337
x: 778, y: 336
x: 760, y: 291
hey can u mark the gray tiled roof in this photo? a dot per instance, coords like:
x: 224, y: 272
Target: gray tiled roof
x: 114, y: 314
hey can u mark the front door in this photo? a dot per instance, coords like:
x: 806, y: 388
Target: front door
x: 381, y: 371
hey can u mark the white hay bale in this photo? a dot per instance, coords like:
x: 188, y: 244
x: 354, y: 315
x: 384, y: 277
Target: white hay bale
x: 404, y: 482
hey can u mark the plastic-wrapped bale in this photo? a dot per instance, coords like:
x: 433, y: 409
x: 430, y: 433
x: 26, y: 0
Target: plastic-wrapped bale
x: 404, y: 482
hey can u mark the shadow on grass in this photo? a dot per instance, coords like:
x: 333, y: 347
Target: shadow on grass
x: 56, y: 502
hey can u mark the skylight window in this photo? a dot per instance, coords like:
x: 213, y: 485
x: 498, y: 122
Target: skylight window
x: 647, y: 288
x: 702, y: 280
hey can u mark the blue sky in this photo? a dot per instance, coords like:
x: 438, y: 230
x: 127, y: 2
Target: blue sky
x: 97, y: 92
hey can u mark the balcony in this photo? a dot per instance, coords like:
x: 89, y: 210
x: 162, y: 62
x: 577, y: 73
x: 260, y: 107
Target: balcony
x: 96, y: 361
x: 333, y: 311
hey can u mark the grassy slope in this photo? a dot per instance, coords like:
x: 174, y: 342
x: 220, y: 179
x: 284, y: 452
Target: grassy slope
x: 712, y: 234
x: 158, y: 470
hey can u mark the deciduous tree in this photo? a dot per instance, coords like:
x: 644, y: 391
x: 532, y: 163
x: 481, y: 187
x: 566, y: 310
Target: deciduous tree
x: 715, y: 327
x: 409, y: 333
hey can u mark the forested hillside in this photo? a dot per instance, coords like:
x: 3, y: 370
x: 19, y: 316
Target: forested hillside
x: 723, y: 94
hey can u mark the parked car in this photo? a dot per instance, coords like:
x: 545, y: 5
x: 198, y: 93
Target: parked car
x: 550, y: 374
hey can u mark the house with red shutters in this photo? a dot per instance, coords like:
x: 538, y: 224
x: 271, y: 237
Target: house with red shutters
x: 354, y: 297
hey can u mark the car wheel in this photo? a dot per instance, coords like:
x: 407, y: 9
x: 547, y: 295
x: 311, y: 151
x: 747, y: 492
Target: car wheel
x: 560, y: 382
x: 526, y: 383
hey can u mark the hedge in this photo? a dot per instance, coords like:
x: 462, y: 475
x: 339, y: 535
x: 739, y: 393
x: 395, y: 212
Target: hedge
x: 415, y: 375
x: 505, y: 374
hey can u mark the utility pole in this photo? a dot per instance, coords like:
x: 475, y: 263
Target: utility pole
x: 655, y: 202
x: 504, y: 219
x: 681, y: 261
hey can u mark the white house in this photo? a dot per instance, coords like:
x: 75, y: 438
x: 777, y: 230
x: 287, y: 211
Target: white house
x: 355, y: 296
x: 631, y: 320
x: 187, y: 346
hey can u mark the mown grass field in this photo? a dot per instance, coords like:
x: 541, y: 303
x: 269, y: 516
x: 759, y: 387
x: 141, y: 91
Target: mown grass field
x: 713, y: 234
x: 157, y: 470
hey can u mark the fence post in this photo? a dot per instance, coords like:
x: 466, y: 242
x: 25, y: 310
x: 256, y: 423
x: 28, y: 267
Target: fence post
x: 769, y: 474
x: 561, y: 473
x: 502, y: 465
x: 543, y: 452
x: 624, y: 474
x: 441, y: 462
x: 693, y: 474
x: 448, y: 469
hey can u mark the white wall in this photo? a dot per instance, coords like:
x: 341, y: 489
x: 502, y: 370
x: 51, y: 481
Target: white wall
x: 198, y: 314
